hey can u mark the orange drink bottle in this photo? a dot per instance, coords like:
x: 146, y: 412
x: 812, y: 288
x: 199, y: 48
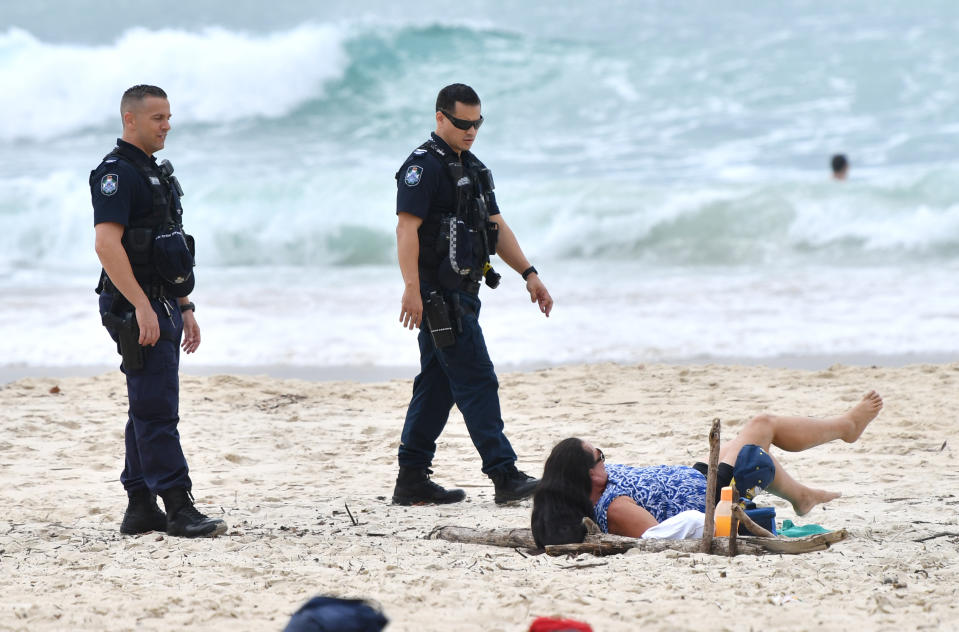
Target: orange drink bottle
x: 724, y: 512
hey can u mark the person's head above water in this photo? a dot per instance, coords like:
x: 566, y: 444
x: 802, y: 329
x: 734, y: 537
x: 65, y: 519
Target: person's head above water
x: 840, y: 166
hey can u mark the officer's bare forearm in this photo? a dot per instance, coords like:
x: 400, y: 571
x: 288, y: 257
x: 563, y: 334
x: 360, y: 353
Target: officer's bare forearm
x: 507, y: 246
x: 408, y: 251
x: 408, y: 257
x: 115, y: 262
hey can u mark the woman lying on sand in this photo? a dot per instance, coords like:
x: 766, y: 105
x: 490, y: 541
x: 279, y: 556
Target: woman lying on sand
x: 626, y: 500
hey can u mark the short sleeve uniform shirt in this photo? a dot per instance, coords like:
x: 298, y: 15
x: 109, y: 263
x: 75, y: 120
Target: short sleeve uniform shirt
x: 118, y: 191
x: 423, y: 186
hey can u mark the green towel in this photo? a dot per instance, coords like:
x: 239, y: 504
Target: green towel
x: 794, y: 531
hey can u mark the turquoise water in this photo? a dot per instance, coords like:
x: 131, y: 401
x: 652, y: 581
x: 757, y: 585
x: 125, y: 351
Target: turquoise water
x: 634, y: 140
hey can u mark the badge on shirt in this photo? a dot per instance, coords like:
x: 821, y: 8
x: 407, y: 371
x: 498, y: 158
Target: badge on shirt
x: 109, y: 184
x: 413, y: 175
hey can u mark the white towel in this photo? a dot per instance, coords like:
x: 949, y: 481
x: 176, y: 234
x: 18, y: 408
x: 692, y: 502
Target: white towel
x: 686, y: 524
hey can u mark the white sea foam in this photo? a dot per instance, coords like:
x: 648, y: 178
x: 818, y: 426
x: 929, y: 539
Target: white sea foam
x: 216, y: 75
x: 624, y: 313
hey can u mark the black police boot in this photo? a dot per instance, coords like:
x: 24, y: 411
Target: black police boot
x: 143, y: 514
x: 414, y: 487
x: 511, y: 484
x: 184, y: 520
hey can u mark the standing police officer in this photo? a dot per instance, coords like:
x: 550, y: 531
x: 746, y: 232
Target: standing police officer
x: 448, y: 226
x: 144, y: 303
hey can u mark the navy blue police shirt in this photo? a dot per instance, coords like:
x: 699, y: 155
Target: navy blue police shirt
x: 119, y: 191
x: 424, y: 186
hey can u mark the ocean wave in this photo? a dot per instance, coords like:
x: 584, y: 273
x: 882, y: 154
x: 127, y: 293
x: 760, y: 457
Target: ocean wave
x: 217, y: 76
x: 346, y: 219
x: 745, y: 223
x: 286, y: 141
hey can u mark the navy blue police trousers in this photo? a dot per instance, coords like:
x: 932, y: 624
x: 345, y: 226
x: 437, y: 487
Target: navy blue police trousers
x: 460, y: 374
x: 154, y: 458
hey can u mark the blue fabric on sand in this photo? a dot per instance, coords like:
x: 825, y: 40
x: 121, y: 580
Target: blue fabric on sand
x: 662, y: 490
x: 330, y: 614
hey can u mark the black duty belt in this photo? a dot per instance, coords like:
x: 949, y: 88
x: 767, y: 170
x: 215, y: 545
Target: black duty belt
x: 152, y: 290
x: 430, y: 277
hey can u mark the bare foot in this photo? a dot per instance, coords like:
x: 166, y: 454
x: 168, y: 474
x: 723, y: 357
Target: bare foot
x: 812, y: 498
x: 861, y: 414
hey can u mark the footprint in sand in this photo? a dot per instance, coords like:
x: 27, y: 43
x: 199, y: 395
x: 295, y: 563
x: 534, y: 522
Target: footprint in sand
x: 239, y: 460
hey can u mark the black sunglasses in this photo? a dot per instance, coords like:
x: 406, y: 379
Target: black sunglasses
x: 600, y: 459
x: 463, y: 124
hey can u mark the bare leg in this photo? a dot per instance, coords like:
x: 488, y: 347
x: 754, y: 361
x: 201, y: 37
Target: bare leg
x: 802, y: 498
x: 795, y: 434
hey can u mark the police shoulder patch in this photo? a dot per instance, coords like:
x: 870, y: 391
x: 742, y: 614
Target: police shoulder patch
x: 413, y: 175
x: 109, y: 184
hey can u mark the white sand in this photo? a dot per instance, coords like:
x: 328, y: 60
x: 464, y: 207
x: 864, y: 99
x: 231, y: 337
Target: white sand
x: 280, y: 459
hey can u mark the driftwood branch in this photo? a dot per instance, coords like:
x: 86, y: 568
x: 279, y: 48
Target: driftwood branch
x: 605, y: 544
x: 591, y: 527
x: 808, y: 544
x: 709, y: 526
x: 613, y: 547
x: 509, y: 538
x: 740, y: 514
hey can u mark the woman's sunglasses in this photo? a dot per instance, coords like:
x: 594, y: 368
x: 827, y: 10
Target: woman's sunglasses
x: 600, y: 458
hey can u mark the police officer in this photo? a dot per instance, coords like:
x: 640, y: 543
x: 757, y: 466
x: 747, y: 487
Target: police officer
x: 448, y: 226
x: 144, y: 303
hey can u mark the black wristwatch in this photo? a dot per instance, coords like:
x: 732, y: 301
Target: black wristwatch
x: 187, y: 306
x: 528, y: 271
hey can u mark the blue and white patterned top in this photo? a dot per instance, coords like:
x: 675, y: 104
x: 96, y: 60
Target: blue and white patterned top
x: 662, y: 490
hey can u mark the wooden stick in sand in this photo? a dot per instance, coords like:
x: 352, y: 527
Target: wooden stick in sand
x: 733, y: 524
x: 710, y: 525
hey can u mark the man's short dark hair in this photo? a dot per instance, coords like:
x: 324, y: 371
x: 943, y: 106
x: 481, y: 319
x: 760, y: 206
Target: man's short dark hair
x: 839, y: 163
x: 138, y: 93
x: 448, y: 96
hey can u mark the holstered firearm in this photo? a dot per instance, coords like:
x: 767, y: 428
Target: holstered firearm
x: 128, y: 338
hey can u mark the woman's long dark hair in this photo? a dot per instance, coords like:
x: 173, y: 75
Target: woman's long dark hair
x: 562, y: 499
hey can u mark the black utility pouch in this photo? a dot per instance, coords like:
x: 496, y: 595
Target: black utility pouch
x: 438, y: 320
x: 492, y: 237
x: 486, y: 179
x: 138, y: 242
x: 128, y: 339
